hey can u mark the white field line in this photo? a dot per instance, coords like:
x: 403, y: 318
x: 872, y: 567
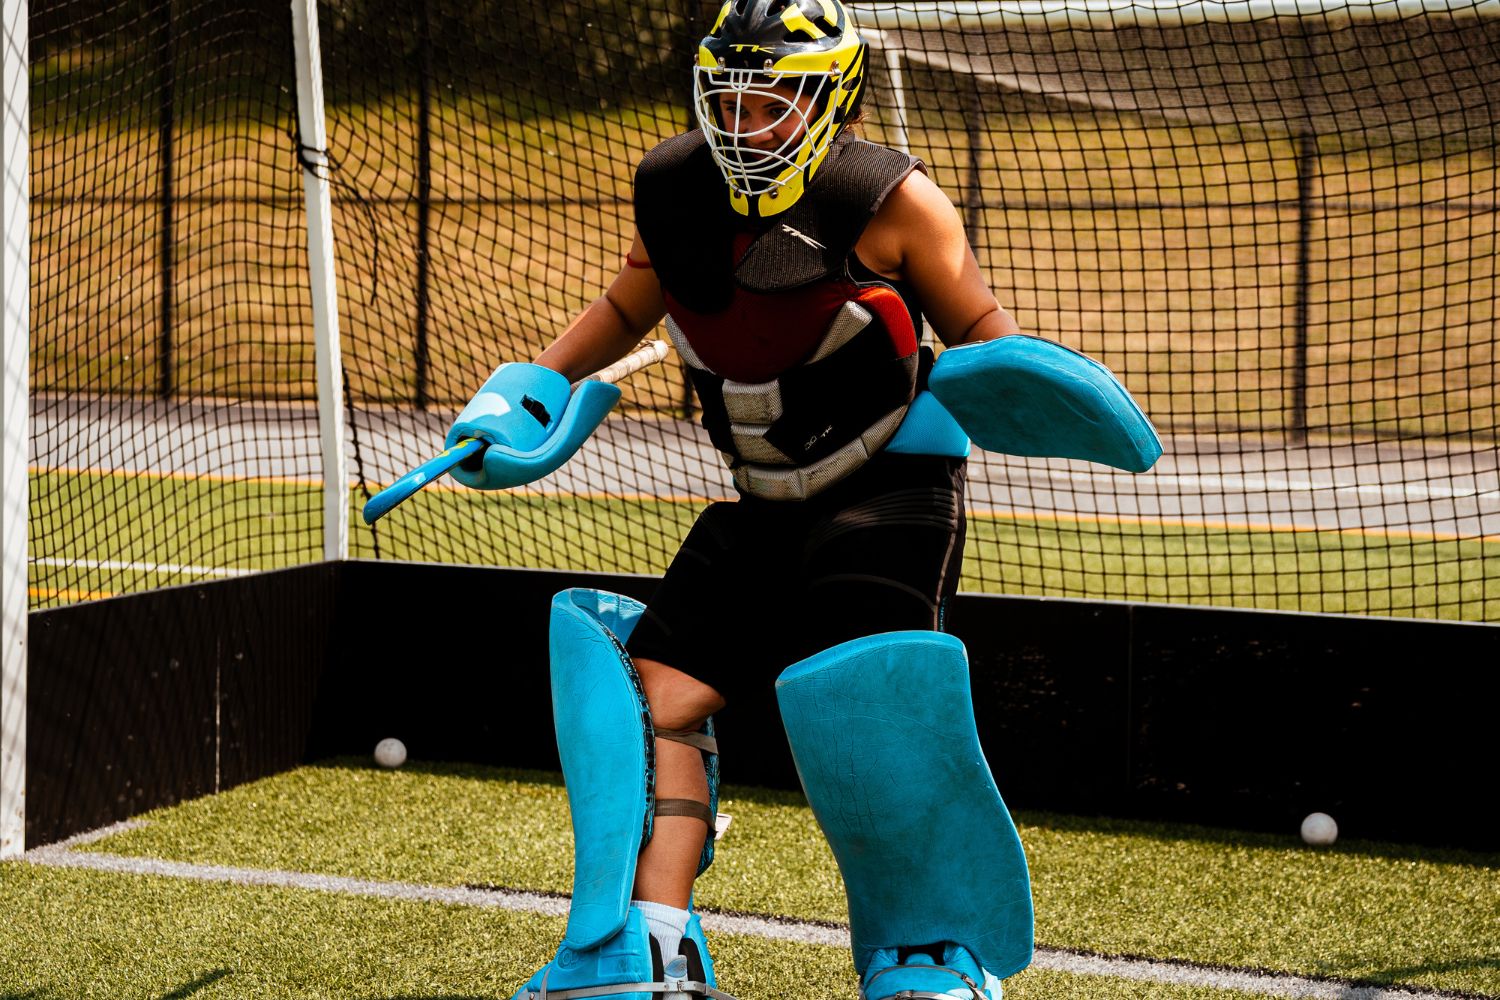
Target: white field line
x: 174, y: 569
x: 1199, y: 483
x: 1262, y: 983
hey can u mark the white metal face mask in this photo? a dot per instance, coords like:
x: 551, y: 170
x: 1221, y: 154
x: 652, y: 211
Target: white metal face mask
x: 764, y: 130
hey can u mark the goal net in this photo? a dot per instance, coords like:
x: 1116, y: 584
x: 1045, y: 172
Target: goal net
x: 1275, y: 222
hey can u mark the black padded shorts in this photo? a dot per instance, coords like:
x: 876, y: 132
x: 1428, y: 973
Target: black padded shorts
x: 759, y: 584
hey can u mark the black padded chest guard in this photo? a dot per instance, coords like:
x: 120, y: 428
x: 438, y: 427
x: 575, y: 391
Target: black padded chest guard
x: 683, y: 215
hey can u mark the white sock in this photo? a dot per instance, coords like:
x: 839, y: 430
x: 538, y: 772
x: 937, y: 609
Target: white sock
x: 666, y: 923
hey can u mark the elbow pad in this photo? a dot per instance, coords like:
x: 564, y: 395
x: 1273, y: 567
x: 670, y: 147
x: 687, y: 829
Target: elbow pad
x: 531, y: 420
x: 1021, y: 395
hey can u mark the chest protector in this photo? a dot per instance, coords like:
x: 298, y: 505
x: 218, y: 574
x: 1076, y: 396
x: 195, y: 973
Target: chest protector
x: 803, y: 373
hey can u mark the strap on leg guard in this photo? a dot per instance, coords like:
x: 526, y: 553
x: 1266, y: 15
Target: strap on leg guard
x: 882, y: 730
x: 704, y: 741
x: 686, y: 807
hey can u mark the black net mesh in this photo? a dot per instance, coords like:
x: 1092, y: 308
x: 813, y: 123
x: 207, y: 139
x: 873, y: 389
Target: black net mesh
x: 171, y: 366
x: 1278, y: 231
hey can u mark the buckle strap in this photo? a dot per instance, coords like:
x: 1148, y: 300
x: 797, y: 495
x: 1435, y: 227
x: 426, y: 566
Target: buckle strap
x: 688, y: 986
x: 922, y: 994
x: 691, y: 737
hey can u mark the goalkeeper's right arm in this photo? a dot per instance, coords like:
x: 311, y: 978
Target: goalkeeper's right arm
x: 529, y: 415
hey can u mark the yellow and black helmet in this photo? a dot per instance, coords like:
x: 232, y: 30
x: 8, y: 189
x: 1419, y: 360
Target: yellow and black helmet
x: 801, y: 65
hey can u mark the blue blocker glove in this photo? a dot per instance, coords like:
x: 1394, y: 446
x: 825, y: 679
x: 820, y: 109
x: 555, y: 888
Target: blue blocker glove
x: 531, y: 420
x: 1027, y: 396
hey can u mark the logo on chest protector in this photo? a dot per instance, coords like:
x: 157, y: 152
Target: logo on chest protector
x: 803, y: 237
x: 817, y: 437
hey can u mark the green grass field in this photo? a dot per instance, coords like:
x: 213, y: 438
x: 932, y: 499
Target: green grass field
x: 1364, y: 912
x: 249, y: 525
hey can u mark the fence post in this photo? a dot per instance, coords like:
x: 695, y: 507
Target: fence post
x: 973, y: 105
x: 424, y: 198
x: 166, y: 234
x: 1307, y: 156
x: 1305, y: 135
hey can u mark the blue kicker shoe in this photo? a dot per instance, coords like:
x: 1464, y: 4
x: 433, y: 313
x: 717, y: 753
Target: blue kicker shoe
x: 944, y: 971
x: 628, y: 967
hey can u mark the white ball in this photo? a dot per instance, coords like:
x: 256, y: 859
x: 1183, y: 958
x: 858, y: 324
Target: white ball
x: 1319, y: 829
x: 390, y: 752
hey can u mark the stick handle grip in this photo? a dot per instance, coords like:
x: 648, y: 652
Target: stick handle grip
x: 644, y: 357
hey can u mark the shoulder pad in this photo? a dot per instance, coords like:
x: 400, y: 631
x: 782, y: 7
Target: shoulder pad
x: 814, y: 238
x: 683, y: 216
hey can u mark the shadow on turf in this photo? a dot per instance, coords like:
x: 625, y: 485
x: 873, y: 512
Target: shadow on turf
x: 181, y: 993
x: 1402, y: 976
x: 203, y: 981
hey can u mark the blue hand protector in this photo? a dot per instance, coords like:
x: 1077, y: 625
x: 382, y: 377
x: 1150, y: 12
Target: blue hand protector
x: 532, y: 421
x: 882, y: 730
x: 1022, y: 395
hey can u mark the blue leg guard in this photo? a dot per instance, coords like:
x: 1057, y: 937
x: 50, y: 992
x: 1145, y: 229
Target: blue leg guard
x: 882, y: 730
x: 627, y: 959
x: 608, y: 746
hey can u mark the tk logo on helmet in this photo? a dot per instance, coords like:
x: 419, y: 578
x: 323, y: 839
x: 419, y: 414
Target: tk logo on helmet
x: 749, y: 48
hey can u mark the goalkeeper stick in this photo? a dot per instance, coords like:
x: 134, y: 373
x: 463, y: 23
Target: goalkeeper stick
x: 381, y: 503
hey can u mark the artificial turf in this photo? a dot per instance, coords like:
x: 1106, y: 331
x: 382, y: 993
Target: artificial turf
x: 79, y: 934
x: 1366, y: 911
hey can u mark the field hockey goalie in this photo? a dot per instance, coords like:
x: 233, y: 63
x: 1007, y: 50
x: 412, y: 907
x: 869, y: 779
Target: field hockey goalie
x: 883, y: 734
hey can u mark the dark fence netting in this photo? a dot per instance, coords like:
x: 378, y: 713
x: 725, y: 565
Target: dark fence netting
x: 1278, y: 231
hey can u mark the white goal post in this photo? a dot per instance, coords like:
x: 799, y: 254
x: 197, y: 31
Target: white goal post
x: 15, y: 291
x: 15, y: 287
x: 321, y: 278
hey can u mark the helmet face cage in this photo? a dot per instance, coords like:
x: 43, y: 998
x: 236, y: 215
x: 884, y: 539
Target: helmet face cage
x: 797, y: 67
x: 800, y: 113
